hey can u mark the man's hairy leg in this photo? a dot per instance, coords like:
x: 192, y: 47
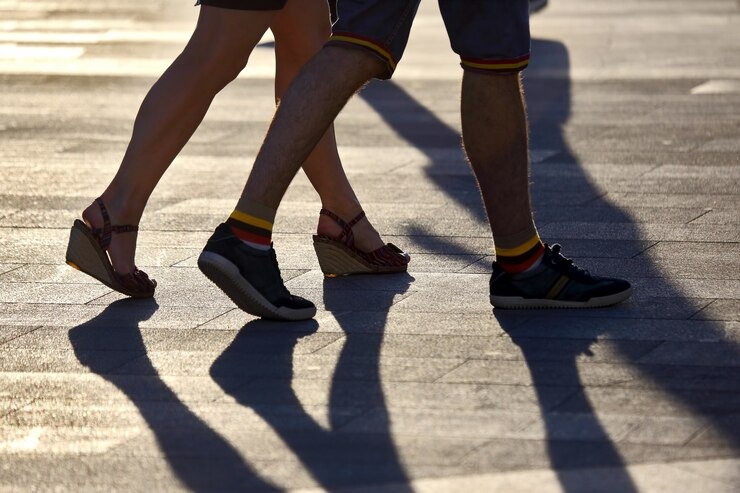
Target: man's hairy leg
x: 305, y: 112
x: 494, y: 127
x: 239, y: 257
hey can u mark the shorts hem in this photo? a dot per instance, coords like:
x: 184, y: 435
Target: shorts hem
x: 371, y: 45
x: 501, y: 66
x: 240, y: 4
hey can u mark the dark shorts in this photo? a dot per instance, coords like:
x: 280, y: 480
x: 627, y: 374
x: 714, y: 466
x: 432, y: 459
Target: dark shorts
x: 258, y: 5
x: 490, y: 36
x: 244, y: 4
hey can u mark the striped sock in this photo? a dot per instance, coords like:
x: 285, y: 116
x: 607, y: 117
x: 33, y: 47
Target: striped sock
x: 252, y: 223
x: 520, y: 252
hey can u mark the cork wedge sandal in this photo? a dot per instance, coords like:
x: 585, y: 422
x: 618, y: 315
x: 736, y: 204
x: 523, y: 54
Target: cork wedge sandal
x: 338, y: 255
x: 87, y: 252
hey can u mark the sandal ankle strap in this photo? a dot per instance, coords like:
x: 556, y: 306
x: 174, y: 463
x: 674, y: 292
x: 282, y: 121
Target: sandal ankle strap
x: 104, y: 234
x: 346, y: 226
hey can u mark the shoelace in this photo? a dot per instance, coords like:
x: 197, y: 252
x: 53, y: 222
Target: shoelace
x: 558, y: 258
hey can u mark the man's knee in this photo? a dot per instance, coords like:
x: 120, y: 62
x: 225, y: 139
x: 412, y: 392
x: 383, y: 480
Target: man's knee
x: 357, y: 60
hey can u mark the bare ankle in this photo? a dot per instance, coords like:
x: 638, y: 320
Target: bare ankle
x: 119, y: 210
x: 346, y: 209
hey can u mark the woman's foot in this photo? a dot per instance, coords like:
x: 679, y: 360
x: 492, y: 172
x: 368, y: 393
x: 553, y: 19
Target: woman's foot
x: 90, y: 243
x: 366, y: 238
x: 122, y: 248
x: 341, y: 251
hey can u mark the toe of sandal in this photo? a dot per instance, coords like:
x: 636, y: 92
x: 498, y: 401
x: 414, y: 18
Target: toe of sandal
x: 137, y: 284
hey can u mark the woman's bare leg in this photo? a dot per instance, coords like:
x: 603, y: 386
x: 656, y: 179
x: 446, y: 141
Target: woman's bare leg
x: 301, y: 29
x: 172, y: 110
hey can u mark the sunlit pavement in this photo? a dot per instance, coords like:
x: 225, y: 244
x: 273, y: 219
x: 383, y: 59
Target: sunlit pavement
x: 402, y: 383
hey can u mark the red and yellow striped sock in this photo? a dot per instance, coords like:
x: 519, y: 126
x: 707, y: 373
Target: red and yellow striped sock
x: 252, y: 223
x: 520, y: 252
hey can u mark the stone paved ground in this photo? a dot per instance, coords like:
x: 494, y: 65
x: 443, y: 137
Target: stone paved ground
x: 408, y: 383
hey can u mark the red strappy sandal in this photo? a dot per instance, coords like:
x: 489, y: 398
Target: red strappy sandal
x: 86, y: 252
x: 338, y: 255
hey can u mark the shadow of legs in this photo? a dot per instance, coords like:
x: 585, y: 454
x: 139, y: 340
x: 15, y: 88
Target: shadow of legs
x: 263, y: 357
x: 200, y: 458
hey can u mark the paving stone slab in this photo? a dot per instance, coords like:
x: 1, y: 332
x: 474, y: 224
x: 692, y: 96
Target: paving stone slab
x: 400, y: 321
x: 698, y: 475
x: 585, y: 427
x: 5, y: 268
x: 318, y: 448
x: 542, y: 373
x: 718, y: 217
x: 66, y: 387
x: 722, y: 434
x: 9, y: 333
x: 244, y: 343
x: 184, y: 288
x: 236, y: 319
x: 470, y: 423
x: 584, y: 373
x: 44, y: 273
x: 128, y: 313
x: 409, y: 395
x: 662, y: 268
x: 723, y: 353
x: 92, y: 473
x: 85, y: 340
x: 103, y: 388
x: 628, y: 231
x: 446, y: 302
x: 356, y: 368
x: 708, y: 404
x: 721, y: 203
x: 52, y: 294
x: 11, y: 404
x: 432, y: 346
x: 61, y: 360
x: 666, y: 430
x: 379, y: 465
x: 720, y: 310
x: 57, y: 414
x: 532, y: 426
x: 57, y: 441
x: 688, y: 288
x: 575, y: 327
x: 578, y: 456
x: 667, y: 249
x: 353, y: 300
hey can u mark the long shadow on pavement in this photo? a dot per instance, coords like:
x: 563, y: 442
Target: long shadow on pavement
x: 333, y: 457
x: 553, y: 343
x: 201, y: 459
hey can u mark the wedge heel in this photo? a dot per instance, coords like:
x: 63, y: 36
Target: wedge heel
x: 335, y: 260
x: 84, y: 254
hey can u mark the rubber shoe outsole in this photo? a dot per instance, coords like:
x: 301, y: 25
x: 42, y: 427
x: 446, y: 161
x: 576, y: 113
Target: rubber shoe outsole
x: 519, y: 303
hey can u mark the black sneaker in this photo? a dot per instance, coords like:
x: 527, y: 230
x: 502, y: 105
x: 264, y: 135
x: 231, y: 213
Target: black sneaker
x: 555, y: 283
x: 251, y: 278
